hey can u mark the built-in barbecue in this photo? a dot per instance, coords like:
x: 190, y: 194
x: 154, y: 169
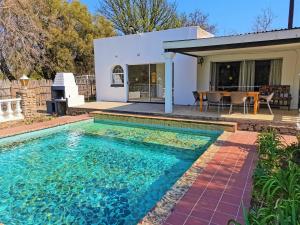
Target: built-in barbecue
x: 64, y: 94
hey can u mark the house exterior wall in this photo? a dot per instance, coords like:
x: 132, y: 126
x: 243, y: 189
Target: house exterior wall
x: 290, y: 67
x: 146, y: 48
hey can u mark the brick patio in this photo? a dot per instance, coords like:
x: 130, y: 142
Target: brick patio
x: 217, y: 194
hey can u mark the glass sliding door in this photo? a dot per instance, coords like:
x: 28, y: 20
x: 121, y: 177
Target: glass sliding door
x: 138, y: 77
x: 157, y: 82
x: 146, y: 82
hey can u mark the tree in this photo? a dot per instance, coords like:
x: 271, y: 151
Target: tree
x: 21, y: 38
x: 42, y: 37
x: 71, y: 30
x: 134, y: 16
x: 197, y: 18
x: 263, y: 22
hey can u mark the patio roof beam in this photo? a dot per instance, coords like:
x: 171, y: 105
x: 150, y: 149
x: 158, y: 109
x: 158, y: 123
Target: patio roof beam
x: 184, y: 53
x: 185, y: 50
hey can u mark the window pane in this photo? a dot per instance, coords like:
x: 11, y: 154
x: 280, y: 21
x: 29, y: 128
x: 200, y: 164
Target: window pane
x: 138, y: 76
x: 262, y: 73
x: 157, y: 82
x: 118, y: 79
x: 118, y: 69
x: 228, y: 76
x: 117, y: 76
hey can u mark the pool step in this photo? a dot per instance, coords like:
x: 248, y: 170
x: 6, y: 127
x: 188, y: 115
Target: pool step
x: 166, y: 121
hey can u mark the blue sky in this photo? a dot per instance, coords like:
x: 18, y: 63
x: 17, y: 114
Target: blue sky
x: 233, y: 16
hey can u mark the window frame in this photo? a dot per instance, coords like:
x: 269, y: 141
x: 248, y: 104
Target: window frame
x: 112, y: 84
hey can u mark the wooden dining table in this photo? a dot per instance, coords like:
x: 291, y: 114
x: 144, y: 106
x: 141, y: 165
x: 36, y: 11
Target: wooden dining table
x: 254, y: 94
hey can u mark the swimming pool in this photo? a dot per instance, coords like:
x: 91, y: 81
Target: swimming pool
x: 93, y: 172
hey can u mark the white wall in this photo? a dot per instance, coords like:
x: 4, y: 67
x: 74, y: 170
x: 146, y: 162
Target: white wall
x: 290, y: 67
x: 146, y: 48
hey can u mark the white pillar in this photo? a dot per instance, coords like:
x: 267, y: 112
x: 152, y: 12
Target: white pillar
x: 9, y: 112
x: 18, y: 111
x: 169, y: 81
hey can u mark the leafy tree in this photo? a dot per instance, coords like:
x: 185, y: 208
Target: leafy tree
x: 263, y: 22
x: 71, y: 30
x: 197, y: 18
x: 21, y: 38
x: 42, y: 37
x: 134, y: 16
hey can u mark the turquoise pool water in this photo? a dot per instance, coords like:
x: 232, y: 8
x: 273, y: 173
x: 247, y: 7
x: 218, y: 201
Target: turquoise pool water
x: 92, y: 172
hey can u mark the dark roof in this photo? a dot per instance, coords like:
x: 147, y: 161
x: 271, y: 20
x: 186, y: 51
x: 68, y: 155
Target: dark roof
x: 260, y: 32
x: 244, y: 44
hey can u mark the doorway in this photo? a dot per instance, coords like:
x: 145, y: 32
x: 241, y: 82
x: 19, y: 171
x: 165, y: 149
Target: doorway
x: 146, y: 83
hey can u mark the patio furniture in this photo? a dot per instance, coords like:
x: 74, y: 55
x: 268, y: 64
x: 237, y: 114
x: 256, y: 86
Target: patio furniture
x: 281, y: 97
x: 197, y: 98
x: 214, y: 98
x: 253, y: 94
x: 266, y: 99
x: 238, y: 98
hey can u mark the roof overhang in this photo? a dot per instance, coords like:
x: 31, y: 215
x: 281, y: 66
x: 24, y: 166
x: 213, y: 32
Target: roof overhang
x: 195, y: 47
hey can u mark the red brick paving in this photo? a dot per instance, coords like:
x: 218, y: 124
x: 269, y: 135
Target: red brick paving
x: 223, y: 187
x: 41, y: 125
x: 217, y: 194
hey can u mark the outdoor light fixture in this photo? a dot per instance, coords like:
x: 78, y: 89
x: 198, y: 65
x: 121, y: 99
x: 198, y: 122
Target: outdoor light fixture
x: 24, y: 81
x: 200, y: 60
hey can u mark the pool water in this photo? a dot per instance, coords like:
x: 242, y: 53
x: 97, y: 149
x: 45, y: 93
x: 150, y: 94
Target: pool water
x: 93, y: 172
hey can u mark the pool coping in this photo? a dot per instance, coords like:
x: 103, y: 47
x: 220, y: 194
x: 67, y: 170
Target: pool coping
x: 60, y: 121
x: 208, y: 125
x: 163, y: 208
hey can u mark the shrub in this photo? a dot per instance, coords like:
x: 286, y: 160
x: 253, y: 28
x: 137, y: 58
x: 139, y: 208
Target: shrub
x: 276, y: 183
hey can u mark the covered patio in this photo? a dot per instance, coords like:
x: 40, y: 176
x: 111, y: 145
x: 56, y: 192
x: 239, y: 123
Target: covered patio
x: 255, y: 64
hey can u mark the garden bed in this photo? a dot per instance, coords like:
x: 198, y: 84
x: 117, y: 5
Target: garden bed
x: 276, y: 183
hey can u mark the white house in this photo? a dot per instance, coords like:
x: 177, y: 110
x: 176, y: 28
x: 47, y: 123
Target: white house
x: 166, y: 66
x: 132, y: 67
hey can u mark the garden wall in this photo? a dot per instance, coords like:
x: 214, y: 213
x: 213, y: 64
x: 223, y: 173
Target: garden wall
x: 42, y: 89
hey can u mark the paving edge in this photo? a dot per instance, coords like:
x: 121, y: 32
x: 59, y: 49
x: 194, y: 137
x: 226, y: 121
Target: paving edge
x: 59, y: 123
x: 163, y: 208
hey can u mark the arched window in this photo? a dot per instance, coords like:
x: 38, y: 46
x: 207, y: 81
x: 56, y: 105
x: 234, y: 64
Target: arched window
x: 117, y: 76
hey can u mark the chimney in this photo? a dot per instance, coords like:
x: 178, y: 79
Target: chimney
x: 291, y: 14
